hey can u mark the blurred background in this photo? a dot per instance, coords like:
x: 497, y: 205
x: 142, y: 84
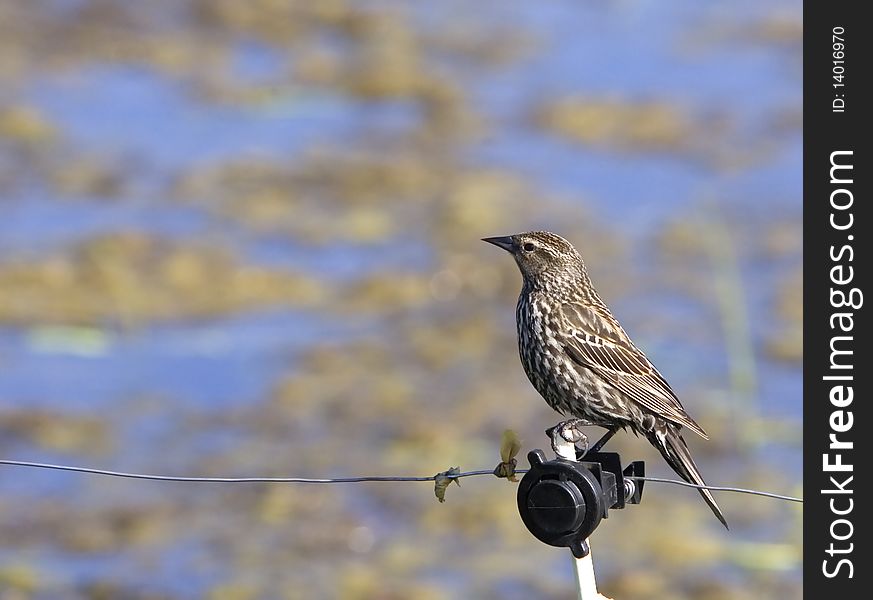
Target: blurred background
x: 242, y: 238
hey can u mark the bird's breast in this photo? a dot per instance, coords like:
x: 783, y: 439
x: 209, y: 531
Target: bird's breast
x: 542, y: 355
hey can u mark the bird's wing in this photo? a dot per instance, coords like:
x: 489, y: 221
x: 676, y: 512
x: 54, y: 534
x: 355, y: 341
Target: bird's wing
x: 593, y: 338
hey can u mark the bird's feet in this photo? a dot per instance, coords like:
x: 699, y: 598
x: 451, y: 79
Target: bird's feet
x: 566, y: 436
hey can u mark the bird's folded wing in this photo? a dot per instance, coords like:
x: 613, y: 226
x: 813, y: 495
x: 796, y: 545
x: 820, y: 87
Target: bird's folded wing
x: 594, y: 339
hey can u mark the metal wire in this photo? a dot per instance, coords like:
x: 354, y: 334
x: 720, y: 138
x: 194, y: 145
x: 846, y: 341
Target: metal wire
x: 36, y: 465
x: 716, y: 488
x: 127, y: 475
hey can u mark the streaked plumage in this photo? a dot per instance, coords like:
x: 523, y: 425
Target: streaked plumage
x: 581, y: 360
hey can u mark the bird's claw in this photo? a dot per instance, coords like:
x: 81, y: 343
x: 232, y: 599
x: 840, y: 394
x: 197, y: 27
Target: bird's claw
x: 566, y: 436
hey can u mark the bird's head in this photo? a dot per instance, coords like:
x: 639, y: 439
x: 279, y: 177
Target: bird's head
x: 541, y: 256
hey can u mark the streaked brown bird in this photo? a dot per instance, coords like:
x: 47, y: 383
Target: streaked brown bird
x: 581, y: 360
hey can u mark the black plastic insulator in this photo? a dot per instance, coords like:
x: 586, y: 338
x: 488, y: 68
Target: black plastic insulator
x: 562, y: 502
x: 558, y: 506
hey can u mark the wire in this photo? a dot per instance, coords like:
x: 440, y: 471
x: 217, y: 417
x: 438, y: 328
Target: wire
x: 127, y: 475
x: 36, y: 465
x: 716, y: 488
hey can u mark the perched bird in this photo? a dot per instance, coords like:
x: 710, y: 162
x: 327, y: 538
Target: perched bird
x: 579, y: 358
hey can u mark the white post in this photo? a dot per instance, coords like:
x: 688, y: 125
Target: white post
x: 586, y: 586
x: 564, y: 438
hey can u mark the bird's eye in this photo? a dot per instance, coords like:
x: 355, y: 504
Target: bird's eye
x: 528, y: 247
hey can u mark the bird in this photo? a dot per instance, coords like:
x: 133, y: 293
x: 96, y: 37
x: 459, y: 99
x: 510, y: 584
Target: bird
x: 583, y: 363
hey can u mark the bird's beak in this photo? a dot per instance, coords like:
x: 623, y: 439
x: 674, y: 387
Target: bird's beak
x: 504, y: 242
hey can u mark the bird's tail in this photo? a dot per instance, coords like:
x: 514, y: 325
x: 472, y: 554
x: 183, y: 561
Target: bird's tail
x: 669, y: 442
